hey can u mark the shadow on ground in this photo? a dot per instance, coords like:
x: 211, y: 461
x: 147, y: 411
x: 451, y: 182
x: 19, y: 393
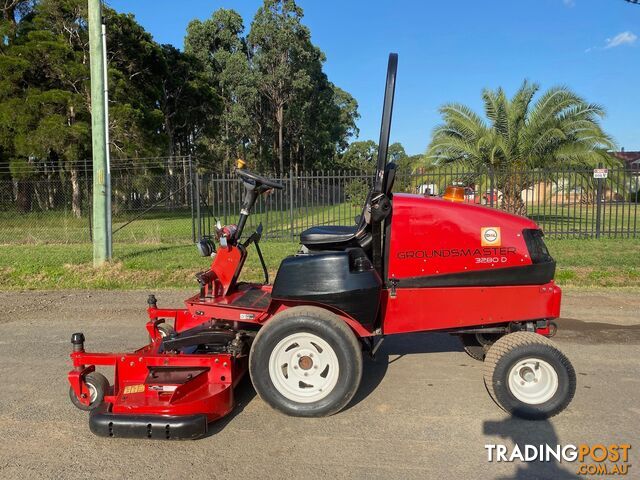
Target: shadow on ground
x: 393, y: 349
x: 243, y: 394
x: 521, y: 433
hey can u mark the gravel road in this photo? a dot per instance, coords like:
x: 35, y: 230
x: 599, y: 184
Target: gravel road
x: 421, y: 412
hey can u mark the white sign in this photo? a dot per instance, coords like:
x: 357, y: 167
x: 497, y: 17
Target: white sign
x: 600, y: 173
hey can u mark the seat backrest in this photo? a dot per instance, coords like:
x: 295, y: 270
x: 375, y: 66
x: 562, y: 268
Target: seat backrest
x: 389, y: 178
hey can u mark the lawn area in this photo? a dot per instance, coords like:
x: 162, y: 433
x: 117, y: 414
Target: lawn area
x: 164, y: 227
x: 174, y: 227
x: 571, y: 221
x: 597, y: 263
x: 135, y: 266
x: 581, y: 263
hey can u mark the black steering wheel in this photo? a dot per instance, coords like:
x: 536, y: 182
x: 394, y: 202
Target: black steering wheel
x: 258, y: 180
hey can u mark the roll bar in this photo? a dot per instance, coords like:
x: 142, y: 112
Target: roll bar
x: 385, y: 127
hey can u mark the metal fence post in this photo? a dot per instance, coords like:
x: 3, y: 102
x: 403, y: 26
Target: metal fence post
x: 89, y: 202
x: 198, y: 213
x: 191, y: 191
x: 598, y: 203
x: 291, y: 202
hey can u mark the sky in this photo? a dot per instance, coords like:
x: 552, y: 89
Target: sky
x: 450, y: 50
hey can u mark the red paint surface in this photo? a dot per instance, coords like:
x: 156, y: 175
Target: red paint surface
x: 430, y: 236
x: 439, y: 308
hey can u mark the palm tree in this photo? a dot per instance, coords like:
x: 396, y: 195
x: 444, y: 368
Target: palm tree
x: 517, y: 135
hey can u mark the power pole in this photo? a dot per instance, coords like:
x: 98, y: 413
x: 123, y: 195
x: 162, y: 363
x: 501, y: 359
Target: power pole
x: 101, y: 224
x: 106, y: 140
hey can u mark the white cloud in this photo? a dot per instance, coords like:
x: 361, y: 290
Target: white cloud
x: 569, y: 3
x: 623, y: 38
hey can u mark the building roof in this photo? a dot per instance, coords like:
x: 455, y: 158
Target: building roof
x: 631, y: 159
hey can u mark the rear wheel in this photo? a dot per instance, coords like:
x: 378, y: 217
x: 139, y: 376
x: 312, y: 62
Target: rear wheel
x: 306, y: 362
x: 98, y: 386
x: 478, y: 344
x: 528, y: 376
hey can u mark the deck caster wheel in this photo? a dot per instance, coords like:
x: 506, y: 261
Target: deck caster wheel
x: 306, y: 362
x: 476, y: 345
x: 528, y: 376
x: 98, y: 387
x: 165, y: 330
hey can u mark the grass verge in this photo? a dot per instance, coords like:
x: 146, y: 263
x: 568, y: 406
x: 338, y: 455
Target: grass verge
x: 581, y: 263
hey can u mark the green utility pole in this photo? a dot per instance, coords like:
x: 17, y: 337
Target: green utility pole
x: 101, y: 226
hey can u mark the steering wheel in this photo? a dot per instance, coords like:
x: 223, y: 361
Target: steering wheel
x: 258, y: 180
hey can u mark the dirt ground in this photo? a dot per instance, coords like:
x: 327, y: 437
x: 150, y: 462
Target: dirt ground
x: 421, y: 412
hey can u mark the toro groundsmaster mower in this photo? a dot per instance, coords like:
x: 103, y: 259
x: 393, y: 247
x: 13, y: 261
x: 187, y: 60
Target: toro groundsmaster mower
x: 411, y: 264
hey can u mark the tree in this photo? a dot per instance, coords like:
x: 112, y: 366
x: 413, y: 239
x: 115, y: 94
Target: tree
x: 559, y: 129
x: 136, y: 66
x: 43, y: 101
x: 219, y: 45
x: 281, y: 48
x: 360, y: 155
x: 12, y: 11
x: 159, y: 98
x: 264, y: 97
x: 396, y: 153
x: 187, y: 101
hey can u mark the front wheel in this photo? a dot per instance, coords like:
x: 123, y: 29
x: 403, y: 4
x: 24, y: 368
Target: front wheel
x: 528, y: 376
x: 306, y: 362
x: 98, y: 386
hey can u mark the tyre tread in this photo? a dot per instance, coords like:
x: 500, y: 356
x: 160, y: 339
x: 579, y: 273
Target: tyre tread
x: 506, y: 344
x: 335, y: 322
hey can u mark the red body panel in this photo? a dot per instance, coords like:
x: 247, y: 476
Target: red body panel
x: 225, y: 268
x: 435, y: 237
x: 441, y: 308
x: 430, y: 236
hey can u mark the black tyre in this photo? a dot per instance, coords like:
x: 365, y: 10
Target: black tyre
x: 477, y: 344
x: 306, y: 362
x: 98, y: 388
x: 528, y: 376
x: 165, y: 330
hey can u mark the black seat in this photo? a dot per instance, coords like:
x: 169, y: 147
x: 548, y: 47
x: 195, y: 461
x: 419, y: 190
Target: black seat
x: 340, y: 236
x: 328, y: 235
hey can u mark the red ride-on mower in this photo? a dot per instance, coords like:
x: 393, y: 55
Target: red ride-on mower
x: 411, y: 264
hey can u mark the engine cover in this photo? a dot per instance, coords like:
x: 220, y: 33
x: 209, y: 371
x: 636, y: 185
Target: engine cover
x: 435, y: 242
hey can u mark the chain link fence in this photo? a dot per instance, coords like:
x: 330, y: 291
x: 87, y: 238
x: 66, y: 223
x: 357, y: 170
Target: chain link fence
x: 152, y: 202
x: 172, y: 200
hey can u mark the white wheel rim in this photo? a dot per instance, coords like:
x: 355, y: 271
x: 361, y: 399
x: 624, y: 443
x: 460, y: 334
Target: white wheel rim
x: 304, y: 368
x: 533, y: 381
x: 93, y: 393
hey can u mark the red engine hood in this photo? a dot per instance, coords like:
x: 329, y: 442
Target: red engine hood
x: 431, y: 236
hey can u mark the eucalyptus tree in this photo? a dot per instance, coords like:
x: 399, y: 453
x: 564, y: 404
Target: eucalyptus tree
x: 558, y: 129
x: 281, y: 51
x: 219, y: 44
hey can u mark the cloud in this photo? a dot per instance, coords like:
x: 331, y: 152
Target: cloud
x: 623, y: 38
x: 569, y: 3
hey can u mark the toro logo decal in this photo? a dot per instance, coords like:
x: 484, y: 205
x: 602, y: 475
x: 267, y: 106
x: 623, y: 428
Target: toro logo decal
x: 490, y: 236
